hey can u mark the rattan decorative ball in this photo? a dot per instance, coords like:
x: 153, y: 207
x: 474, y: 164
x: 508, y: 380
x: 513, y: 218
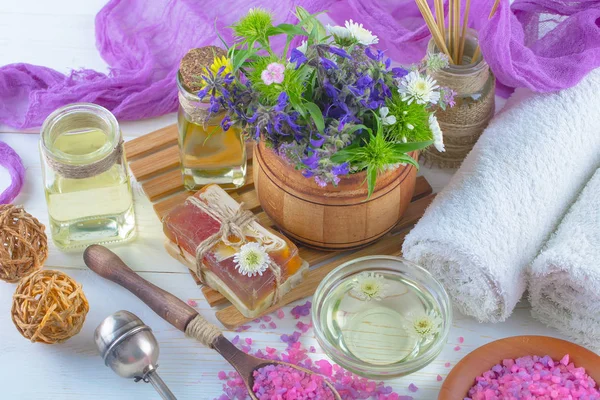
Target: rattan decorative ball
x: 49, y: 307
x: 23, y: 243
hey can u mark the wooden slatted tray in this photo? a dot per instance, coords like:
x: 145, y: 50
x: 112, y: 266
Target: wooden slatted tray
x: 154, y: 161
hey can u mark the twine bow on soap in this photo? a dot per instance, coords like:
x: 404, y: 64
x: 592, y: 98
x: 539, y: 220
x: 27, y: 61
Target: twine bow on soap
x: 233, y: 222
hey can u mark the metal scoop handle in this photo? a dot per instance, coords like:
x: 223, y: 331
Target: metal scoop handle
x: 159, y: 385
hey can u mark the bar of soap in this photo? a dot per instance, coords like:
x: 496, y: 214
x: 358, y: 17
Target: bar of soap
x: 187, y: 226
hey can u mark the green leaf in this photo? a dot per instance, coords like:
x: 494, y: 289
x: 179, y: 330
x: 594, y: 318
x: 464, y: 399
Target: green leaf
x: 408, y: 147
x: 297, y: 104
x: 317, y: 115
x: 288, y: 29
x: 371, y: 179
x: 345, y: 154
x: 311, y: 24
x: 241, y: 56
x: 220, y: 37
x: 406, y: 159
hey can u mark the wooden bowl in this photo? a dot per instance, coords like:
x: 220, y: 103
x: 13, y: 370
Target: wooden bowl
x: 462, y: 377
x: 332, y: 218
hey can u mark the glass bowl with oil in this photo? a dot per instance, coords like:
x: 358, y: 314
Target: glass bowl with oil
x: 381, y: 316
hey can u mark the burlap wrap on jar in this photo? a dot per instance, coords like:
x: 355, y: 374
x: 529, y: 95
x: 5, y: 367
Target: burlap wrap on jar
x: 475, y: 104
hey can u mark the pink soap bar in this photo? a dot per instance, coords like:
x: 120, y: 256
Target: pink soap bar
x: 188, y: 226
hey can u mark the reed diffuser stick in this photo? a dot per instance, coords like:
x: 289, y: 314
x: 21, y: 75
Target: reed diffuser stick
x: 461, y: 48
x: 492, y: 12
x: 439, y: 17
x: 451, y: 28
x: 456, y: 30
x: 433, y: 28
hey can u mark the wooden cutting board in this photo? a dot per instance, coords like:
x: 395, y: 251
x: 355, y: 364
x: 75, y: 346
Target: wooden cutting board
x: 154, y: 161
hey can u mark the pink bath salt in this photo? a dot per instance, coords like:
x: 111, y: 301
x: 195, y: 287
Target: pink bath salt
x: 192, y: 303
x: 461, y: 340
x: 236, y: 339
x: 243, y: 328
x: 248, y: 340
x: 280, y: 314
x: 447, y: 365
x: 439, y: 378
x: 457, y: 348
x: 266, y: 318
x: 272, y: 325
x: 277, y: 381
x: 222, y: 375
x: 534, y: 377
x: 412, y: 387
x: 325, y: 367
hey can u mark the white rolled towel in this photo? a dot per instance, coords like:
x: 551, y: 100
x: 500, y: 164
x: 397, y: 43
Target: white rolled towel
x: 564, y: 288
x: 485, y: 228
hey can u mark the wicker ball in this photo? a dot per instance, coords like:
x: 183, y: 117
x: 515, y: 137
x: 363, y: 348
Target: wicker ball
x: 49, y: 307
x: 23, y: 243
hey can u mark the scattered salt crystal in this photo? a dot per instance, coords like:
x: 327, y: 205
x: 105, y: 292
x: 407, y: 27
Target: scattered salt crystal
x: 222, y: 375
x: 412, y: 387
x: 457, y: 348
x: 256, y: 320
x: 248, y: 340
x: 461, y: 340
x: 280, y: 314
x: 301, y: 311
x: 272, y: 325
x: 243, y: 328
x: 266, y: 318
x: 447, y: 365
x: 439, y: 378
x: 236, y: 339
x: 192, y: 303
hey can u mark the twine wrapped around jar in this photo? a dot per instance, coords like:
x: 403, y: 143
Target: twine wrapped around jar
x: 462, y: 124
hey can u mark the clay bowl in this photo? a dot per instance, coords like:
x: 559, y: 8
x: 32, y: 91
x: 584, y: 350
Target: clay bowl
x: 462, y: 377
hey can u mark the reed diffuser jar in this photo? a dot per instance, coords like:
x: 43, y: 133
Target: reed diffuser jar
x: 462, y: 124
x: 85, y: 177
x: 208, y: 153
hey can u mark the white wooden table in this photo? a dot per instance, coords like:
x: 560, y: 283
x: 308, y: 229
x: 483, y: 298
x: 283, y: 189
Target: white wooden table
x: 60, y: 34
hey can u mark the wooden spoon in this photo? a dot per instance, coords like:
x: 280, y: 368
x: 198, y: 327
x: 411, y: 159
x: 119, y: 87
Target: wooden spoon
x: 108, y: 265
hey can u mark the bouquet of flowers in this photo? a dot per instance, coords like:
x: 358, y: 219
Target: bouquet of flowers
x: 331, y: 106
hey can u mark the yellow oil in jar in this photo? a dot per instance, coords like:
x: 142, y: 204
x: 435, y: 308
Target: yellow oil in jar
x: 210, y: 155
x: 89, y: 210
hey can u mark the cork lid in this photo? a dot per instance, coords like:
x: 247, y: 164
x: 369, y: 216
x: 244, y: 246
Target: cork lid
x: 193, y: 63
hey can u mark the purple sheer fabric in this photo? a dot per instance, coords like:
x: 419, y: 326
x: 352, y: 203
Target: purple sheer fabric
x: 545, y: 45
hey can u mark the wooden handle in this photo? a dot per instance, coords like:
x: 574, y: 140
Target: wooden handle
x: 108, y: 265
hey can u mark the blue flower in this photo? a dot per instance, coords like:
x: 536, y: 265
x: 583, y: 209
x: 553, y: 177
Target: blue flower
x: 330, y: 90
x: 312, y: 161
x: 307, y: 173
x: 282, y: 101
x: 364, y: 81
x: 298, y: 57
x: 226, y: 123
x: 341, y: 169
x: 202, y: 93
x: 317, y: 142
x: 328, y: 64
x: 214, y: 105
x: 339, y: 52
x: 399, y: 72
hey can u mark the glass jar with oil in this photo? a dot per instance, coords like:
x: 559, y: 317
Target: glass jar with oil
x: 87, y: 185
x: 381, y: 316
x: 208, y: 153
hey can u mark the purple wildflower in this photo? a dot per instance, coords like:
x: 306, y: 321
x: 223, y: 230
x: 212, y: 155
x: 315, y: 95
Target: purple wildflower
x: 328, y: 64
x: 298, y: 57
x: 399, y: 72
x: 339, y: 52
x: 226, y: 123
x: 341, y: 169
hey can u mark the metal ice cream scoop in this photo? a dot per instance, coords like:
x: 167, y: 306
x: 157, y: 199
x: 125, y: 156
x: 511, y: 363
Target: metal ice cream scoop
x: 130, y: 349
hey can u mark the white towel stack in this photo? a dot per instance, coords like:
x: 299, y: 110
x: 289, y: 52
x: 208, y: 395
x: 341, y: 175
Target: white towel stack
x: 564, y: 286
x: 485, y: 228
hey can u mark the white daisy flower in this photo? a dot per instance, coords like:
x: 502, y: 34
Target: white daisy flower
x: 339, y: 32
x: 421, y: 89
x: 252, y: 259
x: 423, y: 325
x: 438, y: 136
x: 362, y: 35
x: 369, y: 286
x: 303, y: 47
x: 385, y: 118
